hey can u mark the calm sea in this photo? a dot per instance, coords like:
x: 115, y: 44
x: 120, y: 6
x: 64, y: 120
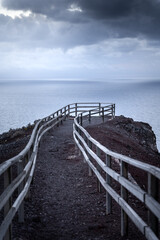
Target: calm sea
x: 23, y: 102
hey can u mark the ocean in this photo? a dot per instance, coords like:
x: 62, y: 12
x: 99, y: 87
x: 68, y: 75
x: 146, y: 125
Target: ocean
x: 23, y: 102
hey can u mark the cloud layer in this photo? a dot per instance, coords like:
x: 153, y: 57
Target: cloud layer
x: 122, y: 18
x: 78, y: 33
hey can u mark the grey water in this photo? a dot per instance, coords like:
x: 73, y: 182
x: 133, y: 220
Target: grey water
x: 22, y: 102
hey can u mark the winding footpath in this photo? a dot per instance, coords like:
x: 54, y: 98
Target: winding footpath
x: 64, y: 203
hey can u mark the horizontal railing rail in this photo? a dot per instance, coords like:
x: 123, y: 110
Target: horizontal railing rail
x: 100, y: 160
x: 17, y: 172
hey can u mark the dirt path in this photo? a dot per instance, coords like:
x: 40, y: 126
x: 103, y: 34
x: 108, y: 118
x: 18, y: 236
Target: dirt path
x: 64, y: 202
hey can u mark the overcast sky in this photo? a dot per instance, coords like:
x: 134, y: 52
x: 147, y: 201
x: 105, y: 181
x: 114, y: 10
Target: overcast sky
x: 81, y: 39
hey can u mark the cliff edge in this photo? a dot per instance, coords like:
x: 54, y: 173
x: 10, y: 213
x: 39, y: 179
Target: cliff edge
x: 128, y: 137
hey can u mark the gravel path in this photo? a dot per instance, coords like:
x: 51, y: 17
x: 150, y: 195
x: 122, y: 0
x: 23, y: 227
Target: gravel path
x: 64, y: 202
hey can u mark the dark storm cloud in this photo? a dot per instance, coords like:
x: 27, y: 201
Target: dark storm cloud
x: 116, y: 18
x: 57, y: 9
x: 106, y: 9
x: 101, y: 9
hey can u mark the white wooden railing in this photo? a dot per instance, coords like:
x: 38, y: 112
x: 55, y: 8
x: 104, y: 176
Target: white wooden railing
x: 16, y: 174
x: 100, y: 160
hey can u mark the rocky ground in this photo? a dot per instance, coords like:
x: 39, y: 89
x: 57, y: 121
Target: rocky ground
x: 64, y: 203
x: 13, y: 141
x: 128, y: 137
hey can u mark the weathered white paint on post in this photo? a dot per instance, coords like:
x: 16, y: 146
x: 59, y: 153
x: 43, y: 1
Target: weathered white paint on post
x: 153, y: 191
x: 68, y: 110
x: 108, y: 181
x: 27, y: 157
x: 124, y: 195
x: 57, y: 119
x: 79, y: 131
x: 89, y: 169
x: 98, y: 152
x: 86, y: 140
x: 99, y: 109
x: 64, y: 113
x: 76, y: 109
x: 20, y: 188
x: 61, y: 116
x: 113, y: 110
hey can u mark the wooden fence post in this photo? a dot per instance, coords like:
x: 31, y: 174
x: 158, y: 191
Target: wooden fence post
x: 98, y: 152
x: 99, y: 109
x: 108, y: 181
x: 20, y: 188
x: 89, y: 169
x: 113, y: 111
x: 57, y: 119
x: 103, y: 114
x: 76, y: 109
x: 79, y: 131
x: 61, y: 116
x: 86, y: 140
x: 27, y: 158
x: 7, y: 181
x: 124, y: 195
x: 81, y: 122
x: 64, y: 113
x: 68, y: 110
x: 153, y: 191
